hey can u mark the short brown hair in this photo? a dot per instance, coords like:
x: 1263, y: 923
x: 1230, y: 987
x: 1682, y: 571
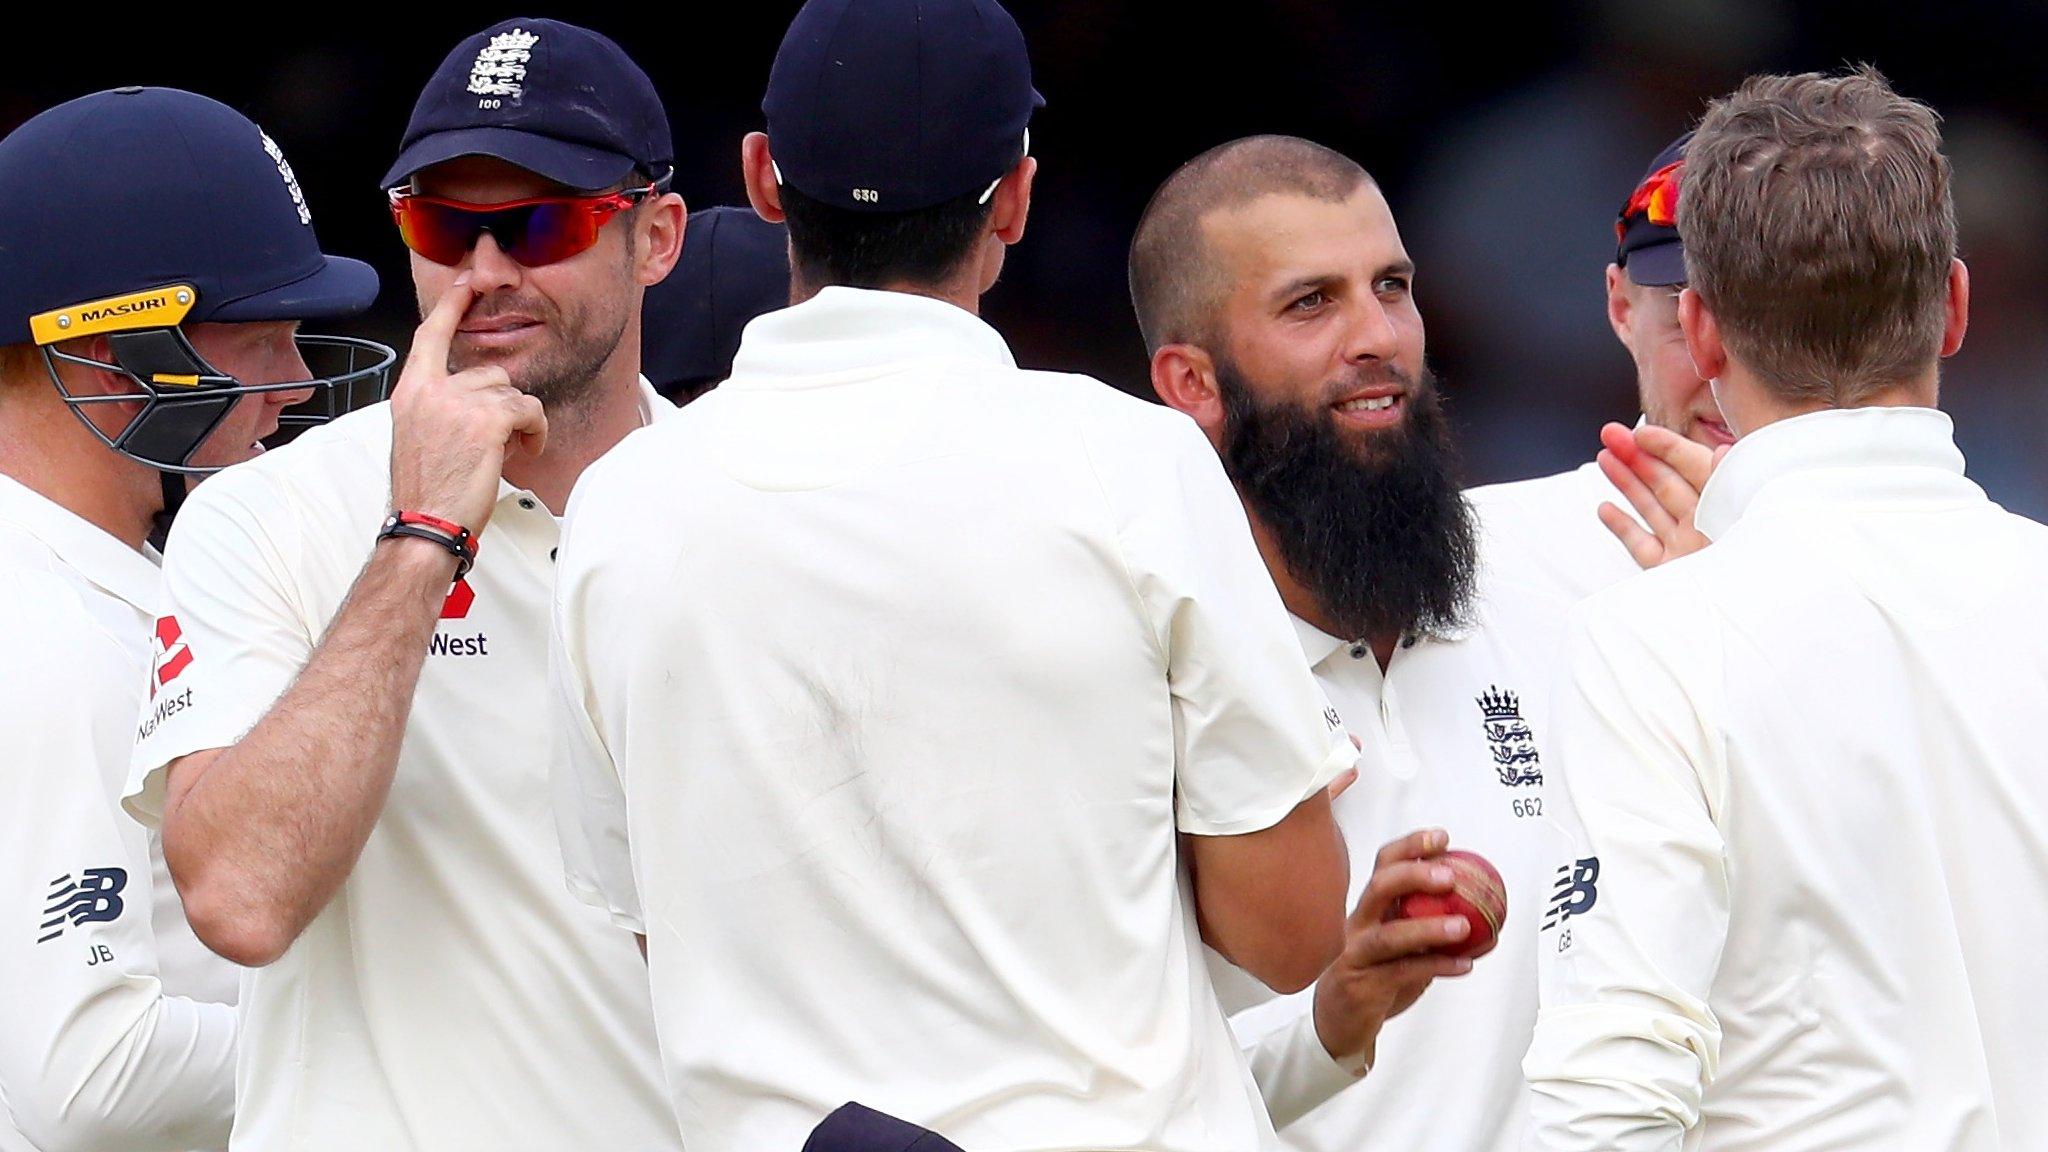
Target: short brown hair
x: 1819, y: 229
x: 1175, y: 285
x: 22, y: 365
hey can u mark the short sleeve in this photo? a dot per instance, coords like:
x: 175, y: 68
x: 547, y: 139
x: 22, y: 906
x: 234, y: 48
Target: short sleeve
x: 1254, y: 734
x: 589, y: 800
x: 231, y: 634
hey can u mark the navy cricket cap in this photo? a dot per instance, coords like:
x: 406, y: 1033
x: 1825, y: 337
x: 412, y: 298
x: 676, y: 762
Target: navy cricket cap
x: 562, y: 102
x: 896, y: 105
x: 1646, y: 232
x: 734, y: 267
x: 139, y: 188
x: 854, y: 1128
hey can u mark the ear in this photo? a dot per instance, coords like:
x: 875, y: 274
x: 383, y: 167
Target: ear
x: 662, y: 227
x: 86, y: 380
x: 1184, y: 376
x: 757, y: 168
x: 1013, y: 201
x: 1702, y: 336
x: 1957, y: 319
x: 1619, y: 306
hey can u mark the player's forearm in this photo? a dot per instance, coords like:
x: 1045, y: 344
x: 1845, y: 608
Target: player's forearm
x: 1272, y: 901
x: 130, y: 1070
x: 260, y: 835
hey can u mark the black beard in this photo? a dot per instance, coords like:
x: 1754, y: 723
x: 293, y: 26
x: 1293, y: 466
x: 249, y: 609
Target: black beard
x: 1373, y: 527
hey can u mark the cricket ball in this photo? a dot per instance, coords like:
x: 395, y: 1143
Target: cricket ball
x: 1477, y: 893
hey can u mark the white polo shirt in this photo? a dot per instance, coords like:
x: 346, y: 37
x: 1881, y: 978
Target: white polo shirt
x: 896, y: 670
x: 1546, y: 533
x: 453, y: 995
x: 1456, y: 735
x: 98, y: 1043
x: 1807, y: 760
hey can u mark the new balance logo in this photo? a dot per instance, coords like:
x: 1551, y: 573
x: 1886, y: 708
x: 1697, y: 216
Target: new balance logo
x: 1574, y: 893
x: 94, y: 897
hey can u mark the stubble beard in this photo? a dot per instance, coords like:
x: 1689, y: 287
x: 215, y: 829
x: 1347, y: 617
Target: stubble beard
x: 564, y: 373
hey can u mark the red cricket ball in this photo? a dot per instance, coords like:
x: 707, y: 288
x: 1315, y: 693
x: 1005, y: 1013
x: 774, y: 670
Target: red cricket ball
x: 1477, y: 893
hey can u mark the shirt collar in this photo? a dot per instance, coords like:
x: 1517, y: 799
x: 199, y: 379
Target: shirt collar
x: 1318, y: 645
x: 1915, y: 446
x: 846, y: 334
x: 653, y: 406
x: 100, y: 558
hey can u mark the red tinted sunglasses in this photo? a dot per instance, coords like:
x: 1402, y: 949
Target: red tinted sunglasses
x: 535, y: 231
x: 1655, y: 199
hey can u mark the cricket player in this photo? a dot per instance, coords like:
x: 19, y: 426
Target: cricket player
x: 353, y: 784
x: 1579, y: 531
x: 1805, y: 757
x: 1279, y: 306
x: 924, y: 713
x: 156, y: 257
x: 734, y: 267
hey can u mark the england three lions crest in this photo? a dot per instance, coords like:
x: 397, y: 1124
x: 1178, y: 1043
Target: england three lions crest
x: 1509, y: 738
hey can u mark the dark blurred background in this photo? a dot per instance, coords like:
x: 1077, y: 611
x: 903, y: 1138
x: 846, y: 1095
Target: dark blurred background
x: 1505, y: 139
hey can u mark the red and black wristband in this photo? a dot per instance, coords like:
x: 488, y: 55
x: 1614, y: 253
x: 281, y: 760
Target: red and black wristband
x: 448, y: 534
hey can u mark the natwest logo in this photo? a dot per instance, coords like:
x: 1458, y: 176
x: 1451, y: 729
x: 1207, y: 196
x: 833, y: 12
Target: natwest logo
x: 456, y: 607
x: 460, y: 597
x: 173, y: 655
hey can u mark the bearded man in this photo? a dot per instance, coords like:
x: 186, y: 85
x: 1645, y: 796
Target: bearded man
x: 1278, y: 305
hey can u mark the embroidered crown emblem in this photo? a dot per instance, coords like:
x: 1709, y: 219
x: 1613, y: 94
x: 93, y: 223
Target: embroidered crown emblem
x: 501, y: 65
x: 1509, y: 738
x: 1495, y: 704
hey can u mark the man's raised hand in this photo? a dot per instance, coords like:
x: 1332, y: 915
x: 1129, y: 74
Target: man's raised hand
x: 1661, y: 474
x: 450, y: 430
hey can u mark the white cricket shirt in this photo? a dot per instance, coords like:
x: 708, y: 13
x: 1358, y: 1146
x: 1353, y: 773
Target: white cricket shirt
x: 1456, y: 735
x: 896, y: 669
x: 1546, y: 533
x: 454, y: 995
x: 99, y: 1046
x: 1809, y: 912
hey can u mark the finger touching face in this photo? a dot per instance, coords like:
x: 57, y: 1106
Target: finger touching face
x: 550, y: 326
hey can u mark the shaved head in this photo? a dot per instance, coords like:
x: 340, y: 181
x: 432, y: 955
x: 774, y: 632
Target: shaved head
x: 1177, y: 279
